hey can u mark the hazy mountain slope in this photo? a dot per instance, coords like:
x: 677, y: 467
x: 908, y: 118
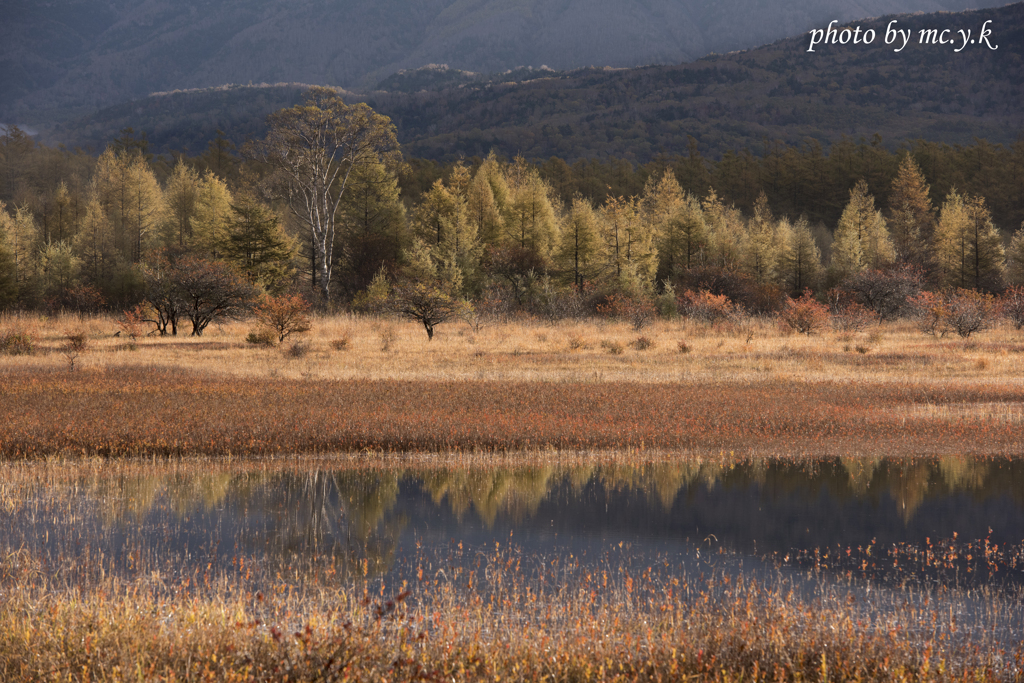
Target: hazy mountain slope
x: 81, y: 55
x: 725, y: 102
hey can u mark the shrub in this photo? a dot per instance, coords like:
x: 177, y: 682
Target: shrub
x: 930, y: 311
x: 637, y: 311
x: 964, y: 311
x: 576, y: 342
x: 341, y: 343
x: 1012, y: 302
x: 848, y: 315
x: 971, y: 311
x: 297, y: 350
x: 683, y: 346
x: 706, y: 307
x: 643, y: 343
x: 262, y: 336
x: 17, y: 343
x: 612, y: 347
x: 387, y: 338
x: 804, y: 314
x: 284, y: 315
x: 75, y: 343
x: 130, y: 324
x: 887, y: 293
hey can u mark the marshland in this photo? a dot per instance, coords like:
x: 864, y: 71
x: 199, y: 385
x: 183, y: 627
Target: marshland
x: 515, y: 498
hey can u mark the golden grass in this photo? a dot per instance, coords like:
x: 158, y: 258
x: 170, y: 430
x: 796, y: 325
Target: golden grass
x: 540, y: 351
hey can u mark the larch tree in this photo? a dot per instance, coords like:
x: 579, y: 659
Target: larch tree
x: 212, y: 213
x: 577, y: 256
x: 314, y: 147
x: 800, y: 265
x: 682, y: 239
x: 182, y: 197
x: 725, y: 232
x: 630, y: 253
x: 968, y: 247
x: 1015, y: 258
x: 530, y: 222
x: 94, y: 244
x: 22, y: 239
x: 911, y: 216
x: 130, y: 195
x: 760, y: 248
x: 862, y: 238
x: 482, y: 206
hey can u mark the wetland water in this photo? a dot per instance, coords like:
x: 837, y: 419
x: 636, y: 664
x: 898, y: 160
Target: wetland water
x: 952, y: 522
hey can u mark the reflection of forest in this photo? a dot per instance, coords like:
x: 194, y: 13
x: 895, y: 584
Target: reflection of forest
x: 353, y: 520
x: 320, y: 503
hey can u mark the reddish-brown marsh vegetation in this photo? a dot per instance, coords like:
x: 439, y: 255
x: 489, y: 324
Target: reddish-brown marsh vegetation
x: 138, y: 411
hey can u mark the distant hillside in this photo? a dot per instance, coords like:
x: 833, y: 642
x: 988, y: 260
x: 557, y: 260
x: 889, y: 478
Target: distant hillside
x: 726, y: 102
x: 75, y: 56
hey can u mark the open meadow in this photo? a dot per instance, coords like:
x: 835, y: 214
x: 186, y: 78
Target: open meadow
x: 358, y: 503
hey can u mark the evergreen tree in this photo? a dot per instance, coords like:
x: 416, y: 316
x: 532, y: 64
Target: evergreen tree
x: 371, y: 227
x: 257, y: 246
x: 968, y: 247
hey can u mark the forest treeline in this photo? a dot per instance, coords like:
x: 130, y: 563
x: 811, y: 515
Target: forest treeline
x: 88, y: 233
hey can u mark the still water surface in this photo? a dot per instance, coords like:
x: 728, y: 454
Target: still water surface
x: 952, y: 520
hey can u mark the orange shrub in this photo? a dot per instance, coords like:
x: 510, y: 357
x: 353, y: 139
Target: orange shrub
x: 805, y: 314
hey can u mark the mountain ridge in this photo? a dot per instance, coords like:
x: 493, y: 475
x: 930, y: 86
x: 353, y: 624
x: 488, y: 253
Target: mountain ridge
x: 61, y: 57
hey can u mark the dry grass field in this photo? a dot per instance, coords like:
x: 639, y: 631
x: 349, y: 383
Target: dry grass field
x: 368, y: 384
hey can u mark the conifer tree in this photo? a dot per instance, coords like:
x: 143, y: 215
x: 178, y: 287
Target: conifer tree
x: 371, y: 226
x: 22, y: 239
x: 760, y: 244
x: 578, y: 254
x: 911, y: 216
x: 257, y: 245
x: 530, y: 222
x: 182, y: 197
x: 1015, y: 258
x: 725, y: 232
x: 212, y: 213
x: 482, y: 208
x: 800, y: 266
x: 861, y: 238
x: 94, y: 244
x: 683, y: 239
x: 968, y: 248
x: 630, y: 253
